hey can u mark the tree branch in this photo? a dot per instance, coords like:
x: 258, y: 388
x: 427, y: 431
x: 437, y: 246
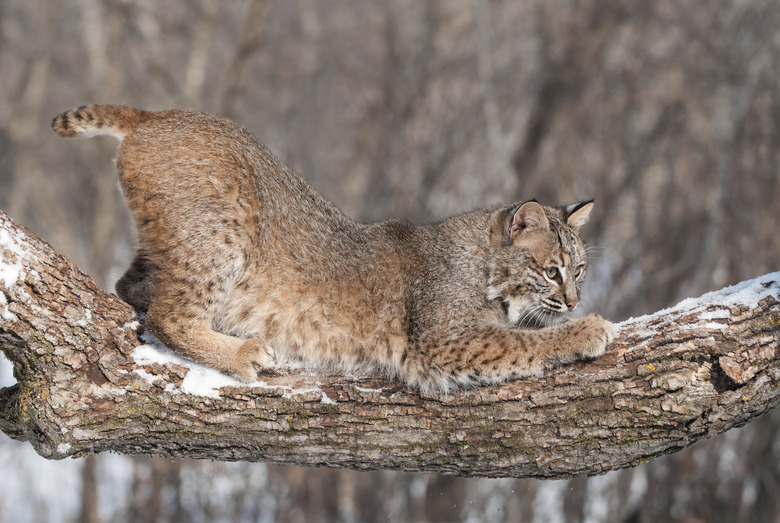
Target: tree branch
x: 87, y: 383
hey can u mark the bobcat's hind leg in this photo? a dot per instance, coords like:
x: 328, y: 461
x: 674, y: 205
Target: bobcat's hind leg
x: 194, y: 338
x: 135, y: 286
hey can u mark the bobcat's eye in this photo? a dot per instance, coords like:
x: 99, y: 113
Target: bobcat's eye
x: 579, y: 271
x: 551, y: 272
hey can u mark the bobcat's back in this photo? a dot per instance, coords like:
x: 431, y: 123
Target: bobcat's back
x: 95, y: 120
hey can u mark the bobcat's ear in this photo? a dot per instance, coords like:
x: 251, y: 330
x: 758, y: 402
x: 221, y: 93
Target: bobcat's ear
x: 529, y: 215
x: 577, y: 214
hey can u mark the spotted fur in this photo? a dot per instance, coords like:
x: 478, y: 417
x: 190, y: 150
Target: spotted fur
x: 241, y: 261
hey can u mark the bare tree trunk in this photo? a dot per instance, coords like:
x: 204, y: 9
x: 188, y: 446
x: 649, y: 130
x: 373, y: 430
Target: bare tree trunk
x: 89, y: 508
x: 85, y: 386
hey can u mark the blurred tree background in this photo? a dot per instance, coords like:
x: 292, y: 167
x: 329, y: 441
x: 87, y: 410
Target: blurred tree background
x: 666, y: 112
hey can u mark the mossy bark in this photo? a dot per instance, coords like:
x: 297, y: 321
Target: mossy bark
x: 668, y: 380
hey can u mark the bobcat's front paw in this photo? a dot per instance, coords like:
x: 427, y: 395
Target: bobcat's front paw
x: 253, y: 356
x: 593, y: 333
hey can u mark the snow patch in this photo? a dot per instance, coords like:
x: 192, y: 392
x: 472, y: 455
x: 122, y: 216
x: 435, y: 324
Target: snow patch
x: 715, y: 326
x: 748, y: 293
x: 132, y: 325
x: 150, y: 378
x: 10, y: 243
x: 712, y: 315
x: 205, y: 381
x: 291, y: 392
x: 5, y: 313
x: 325, y: 399
x: 9, y: 273
x: 364, y: 389
x: 200, y: 379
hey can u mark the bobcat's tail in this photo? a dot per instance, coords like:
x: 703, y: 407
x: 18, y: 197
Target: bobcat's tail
x: 94, y: 120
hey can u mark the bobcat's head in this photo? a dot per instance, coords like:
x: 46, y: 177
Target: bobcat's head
x: 537, y: 261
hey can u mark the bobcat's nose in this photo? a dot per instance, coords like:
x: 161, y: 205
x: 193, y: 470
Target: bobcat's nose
x: 570, y: 304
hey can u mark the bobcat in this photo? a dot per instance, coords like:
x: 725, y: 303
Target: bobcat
x: 241, y: 261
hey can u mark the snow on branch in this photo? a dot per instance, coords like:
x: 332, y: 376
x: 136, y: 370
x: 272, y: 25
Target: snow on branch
x: 90, y: 381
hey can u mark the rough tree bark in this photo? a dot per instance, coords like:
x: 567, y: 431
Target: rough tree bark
x: 88, y: 384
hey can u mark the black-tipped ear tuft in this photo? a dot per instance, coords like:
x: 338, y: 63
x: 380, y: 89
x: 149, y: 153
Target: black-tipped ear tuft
x: 577, y: 214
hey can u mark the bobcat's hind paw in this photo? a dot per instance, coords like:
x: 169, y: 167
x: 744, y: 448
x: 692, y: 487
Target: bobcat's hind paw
x: 593, y: 334
x: 253, y: 356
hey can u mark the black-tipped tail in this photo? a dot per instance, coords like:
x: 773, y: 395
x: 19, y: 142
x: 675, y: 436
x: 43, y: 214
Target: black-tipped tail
x: 94, y: 120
